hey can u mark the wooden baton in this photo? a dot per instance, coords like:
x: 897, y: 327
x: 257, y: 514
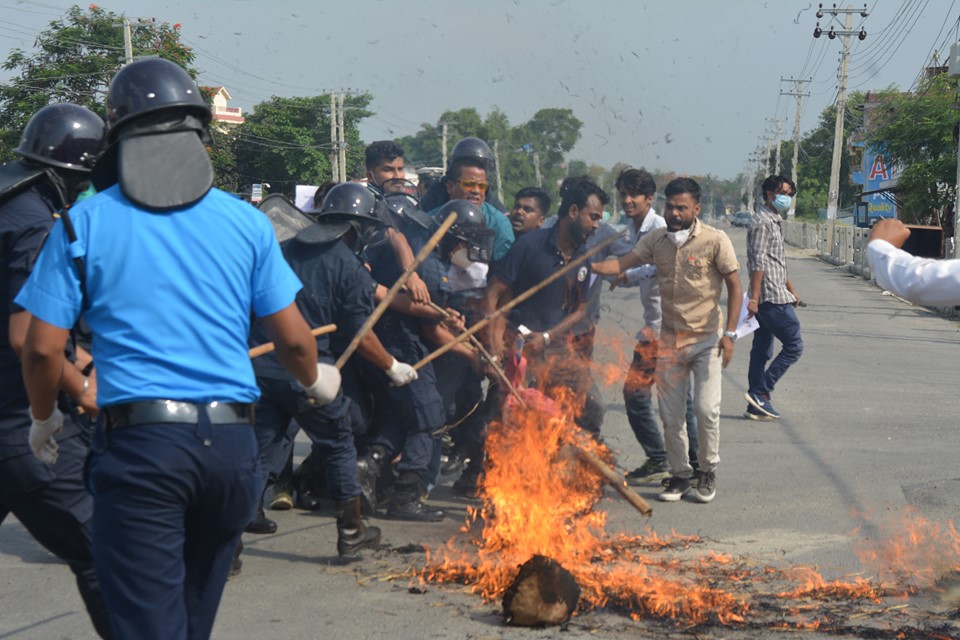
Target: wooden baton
x: 267, y: 347
x: 395, y: 289
x: 515, y: 301
x: 486, y: 354
x: 612, y: 478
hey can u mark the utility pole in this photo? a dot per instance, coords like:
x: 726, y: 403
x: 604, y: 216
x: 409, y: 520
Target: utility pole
x: 536, y: 169
x: 798, y: 92
x: 343, y: 142
x: 127, y: 41
x: 496, y: 162
x: 334, y: 154
x: 833, y: 195
x: 443, y: 144
x: 776, y: 169
x: 766, y: 157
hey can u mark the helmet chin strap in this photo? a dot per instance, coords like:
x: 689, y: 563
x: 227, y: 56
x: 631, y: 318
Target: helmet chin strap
x: 66, y: 189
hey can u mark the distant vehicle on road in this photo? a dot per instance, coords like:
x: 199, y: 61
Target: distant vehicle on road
x: 742, y: 219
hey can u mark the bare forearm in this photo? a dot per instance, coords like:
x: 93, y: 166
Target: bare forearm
x: 734, y: 297
x: 372, y: 350
x: 296, y: 347
x: 43, y: 364
x: 756, y: 283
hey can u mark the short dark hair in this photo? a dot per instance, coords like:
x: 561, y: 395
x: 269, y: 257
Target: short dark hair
x: 538, y: 194
x: 381, y: 150
x: 321, y: 193
x: 453, y: 173
x: 772, y: 183
x: 679, y: 186
x: 575, y: 190
x: 636, y: 182
x: 790, y: 183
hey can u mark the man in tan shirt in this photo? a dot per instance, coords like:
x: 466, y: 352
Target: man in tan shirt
x: 694, y: 261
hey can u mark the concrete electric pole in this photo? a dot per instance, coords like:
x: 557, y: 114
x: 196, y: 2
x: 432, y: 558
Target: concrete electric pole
x: 776, y: 168
x: 443, y: 145
x: 798, y: 93
x: 334, y: 154
x: 833, y: 195
x: 342, y: 159
x: 496, y: 164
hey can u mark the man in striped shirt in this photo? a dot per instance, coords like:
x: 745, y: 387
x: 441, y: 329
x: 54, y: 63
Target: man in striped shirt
x: 772, y: 299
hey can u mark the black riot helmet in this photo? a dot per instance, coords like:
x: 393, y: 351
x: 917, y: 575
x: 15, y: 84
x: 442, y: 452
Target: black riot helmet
x: 157, y: 121
x: 149, y: 86
x: 348, y: 205
x: 404, y: 206
x: 470, y: 227
x: 63, y: 136
x: 472, y: 148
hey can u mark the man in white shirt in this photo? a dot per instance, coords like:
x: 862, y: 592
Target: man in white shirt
x: 920, y: 280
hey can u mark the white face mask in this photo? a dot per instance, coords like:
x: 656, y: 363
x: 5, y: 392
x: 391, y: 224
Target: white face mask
x: 474, y: 276
x: 678, y: 237
x: 459, y: 258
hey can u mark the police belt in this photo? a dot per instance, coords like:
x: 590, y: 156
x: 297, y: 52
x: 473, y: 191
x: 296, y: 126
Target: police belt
x: 172, y: 411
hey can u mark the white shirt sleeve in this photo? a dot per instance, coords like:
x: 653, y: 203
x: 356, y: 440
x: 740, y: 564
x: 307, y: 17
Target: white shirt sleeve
x: 934, y: 283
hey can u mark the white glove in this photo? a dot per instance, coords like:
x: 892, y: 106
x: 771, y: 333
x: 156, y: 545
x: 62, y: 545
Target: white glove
x: 401, y: 373
x: 324, y: 390
x: 42, y: 434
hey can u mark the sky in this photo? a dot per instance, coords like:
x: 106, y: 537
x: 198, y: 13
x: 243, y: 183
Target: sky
x: 691, y: 86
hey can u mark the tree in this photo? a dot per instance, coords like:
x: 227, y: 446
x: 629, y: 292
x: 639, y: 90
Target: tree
x: 917, y: 132
x: 73, y: 61
x: 286, y: 141
x: 816, y: 157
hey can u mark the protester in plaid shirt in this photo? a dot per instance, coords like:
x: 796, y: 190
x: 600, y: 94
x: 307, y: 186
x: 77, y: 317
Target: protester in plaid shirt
x: 772, y: 299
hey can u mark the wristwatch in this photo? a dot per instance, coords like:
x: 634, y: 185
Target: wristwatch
x: 730, y: 334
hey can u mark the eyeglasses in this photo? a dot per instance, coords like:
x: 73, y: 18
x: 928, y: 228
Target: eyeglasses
x: 474, y: 184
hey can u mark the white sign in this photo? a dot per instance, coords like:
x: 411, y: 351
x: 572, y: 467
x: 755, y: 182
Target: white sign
x: 256, y: 193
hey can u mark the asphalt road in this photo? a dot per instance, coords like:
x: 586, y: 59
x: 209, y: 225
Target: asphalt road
x: 868, y: 442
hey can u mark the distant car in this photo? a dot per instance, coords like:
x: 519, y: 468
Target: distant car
x: 742, y: 219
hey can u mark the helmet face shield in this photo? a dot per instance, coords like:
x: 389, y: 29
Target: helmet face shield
x: 480, y: 246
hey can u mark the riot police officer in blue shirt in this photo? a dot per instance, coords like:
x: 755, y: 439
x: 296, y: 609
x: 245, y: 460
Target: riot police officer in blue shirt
x: 171, y: 272
x: 58, y: 149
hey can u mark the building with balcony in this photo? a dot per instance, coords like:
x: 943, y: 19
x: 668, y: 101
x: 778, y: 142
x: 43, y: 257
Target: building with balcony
x: 224, y: 116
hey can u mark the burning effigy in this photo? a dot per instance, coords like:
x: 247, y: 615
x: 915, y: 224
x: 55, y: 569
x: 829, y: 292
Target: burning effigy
x: 540, y: 519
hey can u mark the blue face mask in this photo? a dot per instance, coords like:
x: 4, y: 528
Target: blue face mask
x: 782, y: 203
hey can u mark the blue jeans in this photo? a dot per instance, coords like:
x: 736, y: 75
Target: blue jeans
x: 638, y: 401
x: 776, y: 321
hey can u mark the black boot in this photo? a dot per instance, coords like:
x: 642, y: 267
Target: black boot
x: 368, y: 471
x: 352, y: 534
x: 261, y: 523
x: 406, y: 503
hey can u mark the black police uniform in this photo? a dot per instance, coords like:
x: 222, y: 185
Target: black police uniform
x: 532, y: 258
x: 337, y: 289
x: 51, y: 501
x: 404, y: 417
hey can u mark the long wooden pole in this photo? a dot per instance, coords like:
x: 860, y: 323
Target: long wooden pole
x: 395, y: 289
x: 486, y: 354
x: 267, y: 347
x: 613, y: 479
x: 515, y: 301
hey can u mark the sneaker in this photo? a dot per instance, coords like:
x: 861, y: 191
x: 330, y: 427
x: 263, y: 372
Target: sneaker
x: 762, y: 404
x: 676, y: 489
x: 649, y: 471
x: 282, y: 499
x: 706, y: 487
x: 753, y: 413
